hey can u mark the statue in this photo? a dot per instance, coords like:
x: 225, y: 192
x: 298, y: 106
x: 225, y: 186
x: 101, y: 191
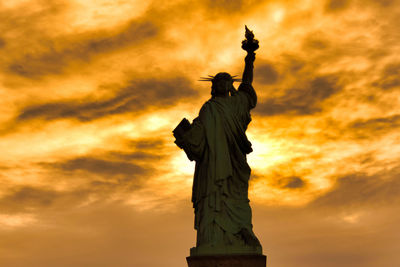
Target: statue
x: 216, y: 140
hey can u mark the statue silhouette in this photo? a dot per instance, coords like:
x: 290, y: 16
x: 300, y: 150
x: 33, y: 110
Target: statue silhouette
x: 216, y: 140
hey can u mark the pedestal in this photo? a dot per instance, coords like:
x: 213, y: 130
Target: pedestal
x: 227, y: 261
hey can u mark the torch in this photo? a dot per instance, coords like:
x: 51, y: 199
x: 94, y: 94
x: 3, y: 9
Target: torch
x: 249, y: 44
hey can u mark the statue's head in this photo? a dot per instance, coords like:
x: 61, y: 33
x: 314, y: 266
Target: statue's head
x: 222, y: 84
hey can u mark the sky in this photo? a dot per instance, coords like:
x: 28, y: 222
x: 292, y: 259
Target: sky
x: 90, y: 91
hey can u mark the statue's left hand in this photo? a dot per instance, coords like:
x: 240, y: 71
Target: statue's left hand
x: 233, y: 91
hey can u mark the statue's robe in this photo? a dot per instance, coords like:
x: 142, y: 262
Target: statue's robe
x: 218, y: 143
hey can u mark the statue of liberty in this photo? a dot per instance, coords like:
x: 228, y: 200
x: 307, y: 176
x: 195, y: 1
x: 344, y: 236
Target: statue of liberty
x: 217, y: 142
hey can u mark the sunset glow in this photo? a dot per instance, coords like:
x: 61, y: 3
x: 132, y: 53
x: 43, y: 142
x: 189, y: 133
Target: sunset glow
x: 90, y: 92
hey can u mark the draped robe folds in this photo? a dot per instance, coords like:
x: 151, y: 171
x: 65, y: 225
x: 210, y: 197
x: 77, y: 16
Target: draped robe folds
x: 218, y: 143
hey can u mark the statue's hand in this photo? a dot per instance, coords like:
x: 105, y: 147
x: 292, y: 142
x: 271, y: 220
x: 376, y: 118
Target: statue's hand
x: 250, y: 47
x: 251, y: 56
x: 233, y: 91
x: 249, y: 44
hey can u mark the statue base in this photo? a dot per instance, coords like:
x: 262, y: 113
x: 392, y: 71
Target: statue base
x: 225, y: 250
x: 227, y: 261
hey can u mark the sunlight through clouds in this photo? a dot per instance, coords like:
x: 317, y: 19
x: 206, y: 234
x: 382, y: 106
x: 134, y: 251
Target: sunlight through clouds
x: 278, y: 15
x: 90, y: 92
x: 103, y: 14
x: 11, y: 221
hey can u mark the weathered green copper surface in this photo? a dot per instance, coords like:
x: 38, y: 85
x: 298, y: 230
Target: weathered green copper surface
x: 216, y: 140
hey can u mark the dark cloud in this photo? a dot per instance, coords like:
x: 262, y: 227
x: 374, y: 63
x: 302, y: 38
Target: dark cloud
x: 337, y: 5
x: 102, y: 177
x: 293, y: 64
x: 383, y: 3
x: 266, y: 73
x: 292, y: 182
x: 219, y: 10
x: 122, y: 171
x: 147, y: 143
x: 140, y: 155
x: 378, y: 124
x: 374, y: 126
x: 225, y: 5
x: 341, y: 5
x: 389, y: 78
x: 360, y: 190
x: 137, y: 96
x: 26, y: 19
x: 103, y: 167
x: 304, y: 100
x: 2, y: 43
x: 21, y: 199
x: 29, y: 196
x: 315, y: 41
x: 59, y: 54
x: 280, y: 181
x: 229, y: 7
x: 144, y: 149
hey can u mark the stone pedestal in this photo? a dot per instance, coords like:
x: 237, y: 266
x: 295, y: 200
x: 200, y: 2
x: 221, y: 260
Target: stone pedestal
x: 227, y: 261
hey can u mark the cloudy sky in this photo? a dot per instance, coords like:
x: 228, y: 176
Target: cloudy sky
x: 90, y: 91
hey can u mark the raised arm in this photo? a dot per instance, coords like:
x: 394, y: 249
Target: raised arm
x: 248, y: 68
x: 250, y: 45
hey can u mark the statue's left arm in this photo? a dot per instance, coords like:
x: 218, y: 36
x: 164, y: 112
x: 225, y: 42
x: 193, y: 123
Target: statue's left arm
x: 190, y: 138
